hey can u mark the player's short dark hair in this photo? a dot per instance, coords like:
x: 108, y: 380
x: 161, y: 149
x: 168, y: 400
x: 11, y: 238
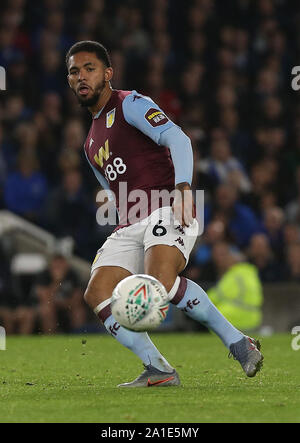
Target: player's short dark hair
x: 90, y: 46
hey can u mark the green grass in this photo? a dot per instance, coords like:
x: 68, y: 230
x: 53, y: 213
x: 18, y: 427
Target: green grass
x: 59, y: 379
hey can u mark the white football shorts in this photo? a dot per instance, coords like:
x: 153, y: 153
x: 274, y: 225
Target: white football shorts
x: 126, y: 246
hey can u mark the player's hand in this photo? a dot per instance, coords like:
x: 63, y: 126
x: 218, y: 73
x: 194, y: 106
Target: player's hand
x: 183, y: 205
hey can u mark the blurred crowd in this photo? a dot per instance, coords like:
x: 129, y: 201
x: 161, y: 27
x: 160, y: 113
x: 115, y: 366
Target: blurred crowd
x: 220, y: 69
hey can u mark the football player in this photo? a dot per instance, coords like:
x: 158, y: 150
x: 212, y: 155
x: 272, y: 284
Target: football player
x: 131, y: 141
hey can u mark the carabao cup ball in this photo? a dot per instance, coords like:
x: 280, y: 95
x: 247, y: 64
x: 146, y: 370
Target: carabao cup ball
x: 139, y: 303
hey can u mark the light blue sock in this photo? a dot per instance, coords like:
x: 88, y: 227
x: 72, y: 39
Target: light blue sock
x: 193, y: 300
x: 139, y: 343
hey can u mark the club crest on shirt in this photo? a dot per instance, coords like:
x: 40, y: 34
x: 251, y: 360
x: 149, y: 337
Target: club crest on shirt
x: 156, y: 117
x: 110, y: 118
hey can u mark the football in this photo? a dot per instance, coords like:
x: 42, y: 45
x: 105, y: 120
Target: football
x: 140, y: 303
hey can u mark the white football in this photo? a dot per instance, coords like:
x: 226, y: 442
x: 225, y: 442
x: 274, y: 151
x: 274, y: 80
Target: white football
x: 139, y: 303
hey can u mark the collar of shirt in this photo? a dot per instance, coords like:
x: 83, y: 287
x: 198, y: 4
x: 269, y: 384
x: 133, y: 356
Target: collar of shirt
x: 98, y: 114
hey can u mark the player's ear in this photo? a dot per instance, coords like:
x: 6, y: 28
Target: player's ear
x: 68, y: 78
x: 108, y: 74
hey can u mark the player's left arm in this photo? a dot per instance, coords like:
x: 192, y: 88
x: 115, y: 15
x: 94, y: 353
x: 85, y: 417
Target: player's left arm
x: 145, y: 115
x: 182, y: 156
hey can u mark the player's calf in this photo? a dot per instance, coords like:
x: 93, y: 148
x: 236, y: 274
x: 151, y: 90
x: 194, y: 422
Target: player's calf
x: 164, y: 263
x: 98, y: 295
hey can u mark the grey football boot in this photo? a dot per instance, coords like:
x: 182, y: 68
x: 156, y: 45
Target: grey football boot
x: 247, y: 353
x: 152, y: 377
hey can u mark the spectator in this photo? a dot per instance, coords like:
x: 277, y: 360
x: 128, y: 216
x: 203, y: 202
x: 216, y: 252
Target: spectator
x: 239, y: 218
x: 273, y: 224
x: 136, y: 41
x: 21, y: 81
x: 238, y: 294
x: 26, y: 189
x: 51, y: 76
x: 166, y: 98
x: 191, y: 85
x: 292, y: 210
x: 241, y: 48
x: 261, y: 255
x: 73, y: 135
x: 52, y: 110
x: 292, y: 158
x: 16, y: 111
x: 58, y: 289
x: 65, y: 210
x: 237, y: 137
x: 196, y: 46
x: 215, y: 232
x: 9, y: 49
x: 263, y: 178
x: 119, y: 63
x: 291, y: 234
x: 267, y: 84
x: 202, y: 267
x: 272, y: 112
x: 26, y: 135
x: 223, y: 168
x: 292, y: 271
x: 68, y: 160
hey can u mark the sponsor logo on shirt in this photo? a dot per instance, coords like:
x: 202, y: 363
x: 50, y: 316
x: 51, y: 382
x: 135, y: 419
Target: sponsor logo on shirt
x: 103, y: 154
x: 156, y: 117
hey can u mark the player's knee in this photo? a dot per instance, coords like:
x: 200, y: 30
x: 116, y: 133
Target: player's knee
x: 86, y: 296
x: 89, y: 294
x: 94, y: 294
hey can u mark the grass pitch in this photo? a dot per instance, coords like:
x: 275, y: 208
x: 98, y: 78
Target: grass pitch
x: 63, y: 379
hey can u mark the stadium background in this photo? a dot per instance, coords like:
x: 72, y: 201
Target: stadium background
x: 221, y: 70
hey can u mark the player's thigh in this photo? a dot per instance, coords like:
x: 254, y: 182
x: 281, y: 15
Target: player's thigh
x: 124, y: 249
x: 164, y: 263
x: 167, y: 246
x: 120, y: 256
x: 102, y: 282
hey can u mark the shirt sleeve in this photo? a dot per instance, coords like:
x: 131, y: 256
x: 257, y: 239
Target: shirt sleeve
x: 181, y: 152
x: 142, y: 113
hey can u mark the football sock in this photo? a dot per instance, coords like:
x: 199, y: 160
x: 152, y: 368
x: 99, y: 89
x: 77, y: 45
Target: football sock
x: 137, y: 342
x: 193, y: 300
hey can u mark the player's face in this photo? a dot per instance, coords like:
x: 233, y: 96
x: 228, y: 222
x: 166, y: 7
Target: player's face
x: 88, y: 77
